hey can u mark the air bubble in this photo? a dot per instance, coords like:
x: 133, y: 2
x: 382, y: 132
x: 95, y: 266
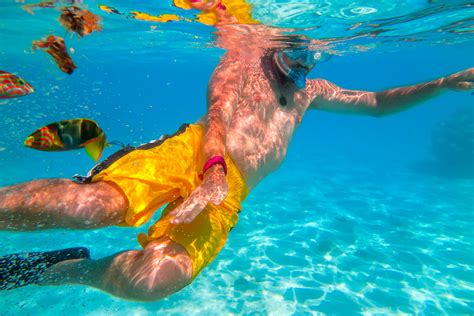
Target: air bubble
x: 363, y: 10
x: 357, y: 11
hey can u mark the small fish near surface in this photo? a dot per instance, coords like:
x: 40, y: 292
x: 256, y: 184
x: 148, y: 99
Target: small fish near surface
x: 108, y: 9
x: 68, y: 135
x: 12, y: 86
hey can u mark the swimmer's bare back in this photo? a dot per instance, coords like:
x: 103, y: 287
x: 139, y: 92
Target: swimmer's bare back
x: 60, y: 203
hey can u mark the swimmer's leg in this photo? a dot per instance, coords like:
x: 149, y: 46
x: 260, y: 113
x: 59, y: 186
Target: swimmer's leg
x: 163, y: 267
x: 60, y: 203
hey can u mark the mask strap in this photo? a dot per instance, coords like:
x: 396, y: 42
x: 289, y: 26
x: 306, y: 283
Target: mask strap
x: 282, y: 100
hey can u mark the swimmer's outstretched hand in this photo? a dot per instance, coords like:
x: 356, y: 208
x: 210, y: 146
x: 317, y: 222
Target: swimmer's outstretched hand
x: 213, y: 189
x: 461, y: 81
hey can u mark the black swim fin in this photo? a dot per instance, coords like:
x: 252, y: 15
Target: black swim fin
x: 21, y: 269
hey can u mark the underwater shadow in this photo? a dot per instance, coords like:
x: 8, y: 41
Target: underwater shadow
x: 442, y: 170
x: 452, y: 147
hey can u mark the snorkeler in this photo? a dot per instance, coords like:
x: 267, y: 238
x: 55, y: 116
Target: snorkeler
x: 256, y: 100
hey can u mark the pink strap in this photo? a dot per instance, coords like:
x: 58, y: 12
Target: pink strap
x: 216, y: 160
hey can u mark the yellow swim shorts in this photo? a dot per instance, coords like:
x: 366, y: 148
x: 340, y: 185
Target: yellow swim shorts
x: 167, y: 171
x: 239, y: 10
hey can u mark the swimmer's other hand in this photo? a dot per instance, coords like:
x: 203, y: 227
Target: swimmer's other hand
x: 461, y: 81
x: 213, y: 189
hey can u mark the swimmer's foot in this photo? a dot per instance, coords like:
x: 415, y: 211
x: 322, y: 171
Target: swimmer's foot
x: 21, y: 269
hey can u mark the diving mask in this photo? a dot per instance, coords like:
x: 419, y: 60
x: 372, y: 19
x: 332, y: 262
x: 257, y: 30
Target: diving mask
x: 295, y: 64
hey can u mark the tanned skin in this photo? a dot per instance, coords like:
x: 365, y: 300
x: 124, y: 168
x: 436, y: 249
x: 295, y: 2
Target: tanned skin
x: 244, y: 120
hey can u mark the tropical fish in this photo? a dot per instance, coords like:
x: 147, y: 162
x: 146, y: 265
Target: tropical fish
x: 12, y: 86
x: 68, y: 135
x: 109, y: 9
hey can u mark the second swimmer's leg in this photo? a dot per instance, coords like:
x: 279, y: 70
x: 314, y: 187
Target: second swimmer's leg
x: 58, y: 203
x: 163, y: 267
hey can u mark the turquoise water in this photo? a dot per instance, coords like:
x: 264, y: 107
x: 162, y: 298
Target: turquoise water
x: 357, y: 220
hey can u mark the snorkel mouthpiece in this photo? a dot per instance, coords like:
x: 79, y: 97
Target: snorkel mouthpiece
x: 298, y: 77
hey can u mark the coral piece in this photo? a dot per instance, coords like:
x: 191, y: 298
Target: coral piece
x: 55, y: 46
x: 80, y: 21
x: 43, y: 4
x: 47, y: 4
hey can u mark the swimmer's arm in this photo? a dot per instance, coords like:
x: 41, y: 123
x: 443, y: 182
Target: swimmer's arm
x: 223, y: 94
x: 329, y: 97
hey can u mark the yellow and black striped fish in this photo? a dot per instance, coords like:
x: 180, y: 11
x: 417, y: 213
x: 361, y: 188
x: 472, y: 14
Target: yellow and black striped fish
x: 69, y: 135
x: 108, y: 9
